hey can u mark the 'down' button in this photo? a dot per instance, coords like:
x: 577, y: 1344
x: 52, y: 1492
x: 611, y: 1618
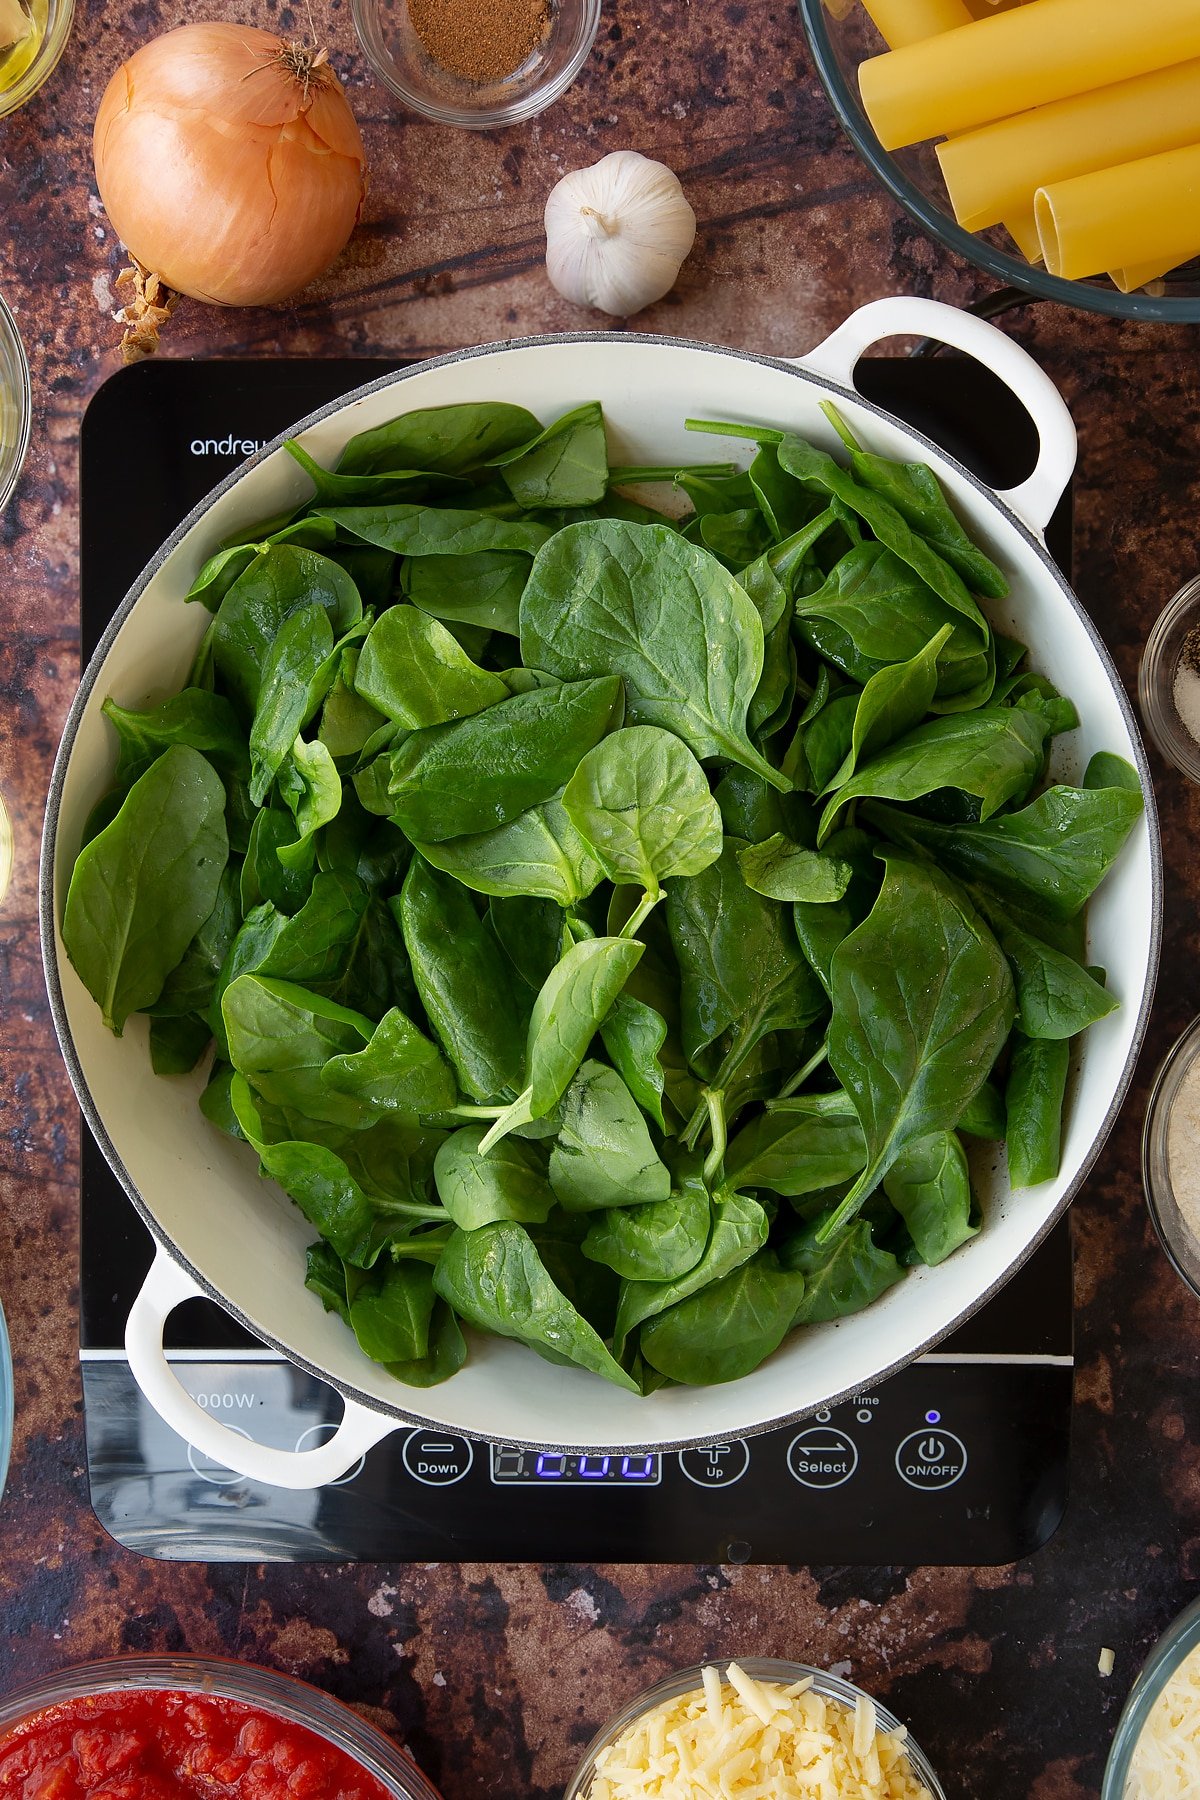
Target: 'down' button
x: 436, y: 1458
x: 822, y: 1457
x: 931, y: 1459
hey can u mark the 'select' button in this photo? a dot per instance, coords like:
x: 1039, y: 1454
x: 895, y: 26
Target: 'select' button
x: 437, y: 1459
x: 929, y: 1460
x: 822, y: 1457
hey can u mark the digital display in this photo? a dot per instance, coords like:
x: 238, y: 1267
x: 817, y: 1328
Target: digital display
x: 558, y: 1468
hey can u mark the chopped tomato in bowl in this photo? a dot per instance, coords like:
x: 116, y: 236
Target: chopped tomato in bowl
x: 189, y: 1728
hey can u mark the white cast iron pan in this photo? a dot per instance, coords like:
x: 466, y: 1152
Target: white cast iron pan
x: 225, y: 1233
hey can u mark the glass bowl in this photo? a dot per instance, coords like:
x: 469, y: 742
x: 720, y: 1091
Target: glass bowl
x: 387, y: 34
x: 16, y: 402
x: 1176, y: 1642
x: 1160, y: 667
x: 281, y: 1695
x: 913, y: 177
x: 35, y: 60
x: 1165, y: 1197
x: 762, y: 1668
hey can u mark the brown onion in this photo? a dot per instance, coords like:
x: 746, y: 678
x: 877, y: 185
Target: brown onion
x: 229, y: 162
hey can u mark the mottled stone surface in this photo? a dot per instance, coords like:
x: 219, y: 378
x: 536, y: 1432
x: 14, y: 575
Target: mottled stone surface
x: 496, y: 1675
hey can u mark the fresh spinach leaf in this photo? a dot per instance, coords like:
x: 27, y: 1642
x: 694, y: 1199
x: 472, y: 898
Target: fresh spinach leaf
x: 452, y: 440
x: 473, y: 774
x: 573, y: 1001
x: 641, y: 801
x: 817, y: 469
x: 633, y: 1033
x: 564, y: 465
x: 398, y: 1071
x: 916, y: 494
x: 841, y: 1277
x: 1051, y: 855
x: 189, y: 986
x: 894, y: 701
x: 200, y: 720
x: 280, y: 1037
x: 297, y: 672
x: 264, y: 876
x: 326, y: 1278
x: 798, y: 1147
x: 358, y: 1224
x: 1034, y: 1097
x: 740, y: 967
x: 640, y: 601
x: 603, y: 1155
x: 495, y: 1279
x: 413, y: 671
x: 467, y: 986
x: 929, y: 1185
x: 993, y: 754
x: 280, y: 579
x: 656, y: 1242
x: 922, y: 1004
x: 984, y: 1115
x: 347, y: 720
x: 508, y: 1183
x: 178, y: 1043
x: 782, y: 870
x: 538, y: 853
x: 436, y: 530
x: 143, y: 887
x: 311, y: 788
x: 480, y: 589
x: 1056, y: 997
x: 872, y: 610
x: 739, y: 1228
x: 392, y: 1310
x: 728, y: 1328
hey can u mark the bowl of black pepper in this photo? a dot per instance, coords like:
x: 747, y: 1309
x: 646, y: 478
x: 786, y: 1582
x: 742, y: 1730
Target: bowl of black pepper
x: 1169, y: 681
x: 481, y: 67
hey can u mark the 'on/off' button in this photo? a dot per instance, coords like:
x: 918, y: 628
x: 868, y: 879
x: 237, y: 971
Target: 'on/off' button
x: 931, y: 1460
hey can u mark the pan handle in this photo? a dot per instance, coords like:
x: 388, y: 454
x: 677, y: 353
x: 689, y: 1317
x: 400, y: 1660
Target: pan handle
x: 166, y: 1287
x: 1034, y: 499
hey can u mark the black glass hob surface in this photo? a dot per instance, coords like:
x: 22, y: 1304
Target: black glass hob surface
x: 961, y: 1458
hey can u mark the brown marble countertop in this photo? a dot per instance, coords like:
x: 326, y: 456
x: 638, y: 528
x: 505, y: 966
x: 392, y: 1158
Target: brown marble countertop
x: 496, y: 1675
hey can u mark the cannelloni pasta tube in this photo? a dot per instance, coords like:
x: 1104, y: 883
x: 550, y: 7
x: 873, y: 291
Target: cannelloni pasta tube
x: 1143, y: 212
x: 993, y: 172
x: 901, y: 22
x: 1027, y: 57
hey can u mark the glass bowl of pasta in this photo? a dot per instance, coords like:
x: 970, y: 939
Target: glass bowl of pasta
x: 1058, y: 151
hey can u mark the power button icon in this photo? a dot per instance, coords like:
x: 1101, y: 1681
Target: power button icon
x: 929, y: 1460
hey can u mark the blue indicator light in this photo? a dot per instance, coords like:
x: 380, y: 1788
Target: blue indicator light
x: 630, y: 1471
x: 933, y: 1418
x: 546, y: 1469
x: 594, y: 1474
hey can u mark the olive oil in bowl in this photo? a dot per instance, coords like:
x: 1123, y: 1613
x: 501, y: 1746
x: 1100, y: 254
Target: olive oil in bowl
x: 33, y: 35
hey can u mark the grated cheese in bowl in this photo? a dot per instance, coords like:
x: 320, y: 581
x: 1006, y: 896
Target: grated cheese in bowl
x: 1165, y: 1764
x: 767, y: 1731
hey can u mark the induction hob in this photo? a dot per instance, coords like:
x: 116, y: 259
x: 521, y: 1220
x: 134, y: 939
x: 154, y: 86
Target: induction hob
x: 961, y: 1458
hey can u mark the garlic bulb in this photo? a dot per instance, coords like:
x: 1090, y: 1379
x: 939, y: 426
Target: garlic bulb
x: 617, y: 233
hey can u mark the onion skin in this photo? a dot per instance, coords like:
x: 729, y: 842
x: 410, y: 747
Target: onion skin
x: 233, y: 179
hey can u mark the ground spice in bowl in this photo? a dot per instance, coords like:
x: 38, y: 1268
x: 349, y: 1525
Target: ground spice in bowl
x: 1185, y: 689
x: 481, y: 40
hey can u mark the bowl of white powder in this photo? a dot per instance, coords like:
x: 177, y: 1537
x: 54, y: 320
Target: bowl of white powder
x: 1169, y: 680
x: 1171, y: 1155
